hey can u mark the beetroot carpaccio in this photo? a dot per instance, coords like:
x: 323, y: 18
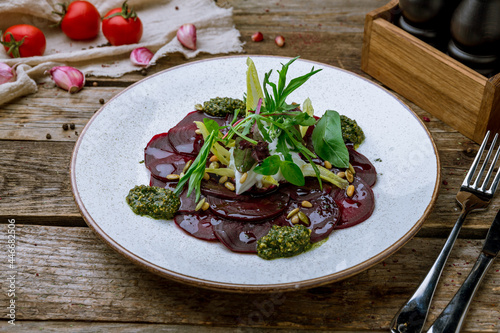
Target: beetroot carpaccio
x: 241, y: 175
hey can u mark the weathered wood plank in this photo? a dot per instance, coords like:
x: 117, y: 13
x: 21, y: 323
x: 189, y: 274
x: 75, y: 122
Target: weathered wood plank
x: 66, y: 273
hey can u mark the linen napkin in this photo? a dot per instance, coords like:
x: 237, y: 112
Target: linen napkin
x: 160, y: 18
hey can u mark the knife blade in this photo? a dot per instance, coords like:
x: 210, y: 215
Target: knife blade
x: 453, y: 316
x: 492, y: 243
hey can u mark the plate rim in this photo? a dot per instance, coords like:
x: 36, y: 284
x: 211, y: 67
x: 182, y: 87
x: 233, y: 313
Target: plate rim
x: 254, y: 288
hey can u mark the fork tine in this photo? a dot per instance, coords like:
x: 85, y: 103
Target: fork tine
x: 490, y: 172
x: 485, y: 163
x: 474, y: 165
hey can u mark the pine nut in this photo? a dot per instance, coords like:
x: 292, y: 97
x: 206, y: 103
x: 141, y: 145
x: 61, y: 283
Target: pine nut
x: 223, y: 179
x: 229, y: 186
x: 328, y: 165
x: 306, y: 204
x: 172, y: 176
x: 341, y: 174
x: 292, y: 213
x: 205, y: 206
x: 200, y: 204
x: 213, y: 158
x: 197, y: 132
x: 198, y: 107
x: 350, y: 191
x: 206, y: 176
x: 243, y: 177
x: 303, y: 217
x: 349, y: 176
x: 295, y: 219
x: 214, y: 165
x: 351, y: 168
x: 186, y: 167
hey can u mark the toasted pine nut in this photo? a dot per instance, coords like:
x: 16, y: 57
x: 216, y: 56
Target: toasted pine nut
x: 292, y: 213
x: 186, y: 167
x: 213, y: 158
x: 295, y: 219
x: 223, y: 179
x: 198, y: 107
x: 350, y: 191
x: 200, y: 204
x: 205, y: 206
x: 181, y: 174
x: 214, y: 165
x: 243, y: 177
x: 306, y: 204
x: 351, y: 168
x: 349, y: 176
x: 229, y: 186
x: 173, y: 176
x: 303, y: 217
x: 206, y: 176
x: 328, y: 165
x: 341, y: 174
x: 197, y: 131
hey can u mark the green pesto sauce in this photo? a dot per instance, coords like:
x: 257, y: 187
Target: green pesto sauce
x: 156, y: 202
x: 282, y: 242
x: 351, y: 132
x: 221, y: 106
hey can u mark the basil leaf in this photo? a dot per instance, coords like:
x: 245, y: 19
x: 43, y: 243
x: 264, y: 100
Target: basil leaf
x: 328, y: 142
x: 211, y: 125
x: 282, y: 148
x: 292, y: 173
x: 270, y: 166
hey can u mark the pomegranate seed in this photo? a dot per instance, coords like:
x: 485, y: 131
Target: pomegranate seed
x: 280, y: 41
x: 257, y: 37
x: 426, y: 119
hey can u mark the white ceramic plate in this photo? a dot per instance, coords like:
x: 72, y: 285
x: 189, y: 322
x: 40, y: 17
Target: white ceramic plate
x: 105, y: 165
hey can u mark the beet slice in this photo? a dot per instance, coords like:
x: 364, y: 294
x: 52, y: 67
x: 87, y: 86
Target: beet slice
x: 249, y: 208
x: 197, y: 224
x: 213, y: 188
x: 356, y: 209
x: 363, y: 167
x: 242, y: 237
x: 184, y: 139
x: 310, y: 191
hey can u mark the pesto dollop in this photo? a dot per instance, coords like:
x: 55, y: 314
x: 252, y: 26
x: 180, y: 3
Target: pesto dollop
x: 221, y: 106
x: 351, y: 132
x: 282, y: 242
x: 156, y: 202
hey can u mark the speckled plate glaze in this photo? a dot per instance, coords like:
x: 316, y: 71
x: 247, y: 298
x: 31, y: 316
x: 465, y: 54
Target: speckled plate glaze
x: 106, y: 164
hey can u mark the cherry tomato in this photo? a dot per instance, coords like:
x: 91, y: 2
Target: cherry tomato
x: 122, y: 26
x: 80, y: 20
x: 24, y: 40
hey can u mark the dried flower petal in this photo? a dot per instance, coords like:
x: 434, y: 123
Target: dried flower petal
x: 6, y: 73
x: 68, y: 78
x: 187, y: 35
x: 141, y: 56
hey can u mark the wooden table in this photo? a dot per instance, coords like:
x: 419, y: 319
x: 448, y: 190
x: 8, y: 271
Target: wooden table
x: 68, y: 280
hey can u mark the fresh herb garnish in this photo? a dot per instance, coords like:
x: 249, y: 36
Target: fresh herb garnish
x: 328, y: 142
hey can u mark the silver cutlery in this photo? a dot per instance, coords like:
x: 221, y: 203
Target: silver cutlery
x: 452, y: 317
x: 473, y: 195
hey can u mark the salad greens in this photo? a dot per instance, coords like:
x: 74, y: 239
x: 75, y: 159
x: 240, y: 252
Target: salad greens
x: 268, y: 140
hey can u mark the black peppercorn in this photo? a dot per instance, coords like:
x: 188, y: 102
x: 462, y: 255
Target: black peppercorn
x: 72, y: 125
x: 65, y: 127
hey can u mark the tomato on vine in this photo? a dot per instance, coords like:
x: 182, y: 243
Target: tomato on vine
x: 23, y: 40
x: 122, y: 26
x: 80, y: 20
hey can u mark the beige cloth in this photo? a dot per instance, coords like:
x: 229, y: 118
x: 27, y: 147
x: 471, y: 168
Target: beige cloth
x: 160, y: 18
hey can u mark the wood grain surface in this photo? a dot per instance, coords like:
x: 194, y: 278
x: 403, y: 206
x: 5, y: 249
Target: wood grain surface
x: 68, y: 280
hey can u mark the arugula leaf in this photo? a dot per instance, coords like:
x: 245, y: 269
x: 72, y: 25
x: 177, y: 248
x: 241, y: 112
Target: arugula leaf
x: 328, y: 142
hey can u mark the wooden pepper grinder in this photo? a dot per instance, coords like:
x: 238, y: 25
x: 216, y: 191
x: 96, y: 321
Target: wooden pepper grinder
x: 475, y: 32
x: 428, y: 20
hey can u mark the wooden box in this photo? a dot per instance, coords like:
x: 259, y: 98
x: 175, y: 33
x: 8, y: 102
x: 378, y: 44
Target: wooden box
x: 451, y: 91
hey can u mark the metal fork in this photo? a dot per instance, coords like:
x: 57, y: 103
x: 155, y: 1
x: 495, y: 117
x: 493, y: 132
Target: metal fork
x: 472, y: 195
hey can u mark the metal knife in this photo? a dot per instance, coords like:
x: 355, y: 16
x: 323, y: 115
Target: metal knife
x: 452, y: 317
